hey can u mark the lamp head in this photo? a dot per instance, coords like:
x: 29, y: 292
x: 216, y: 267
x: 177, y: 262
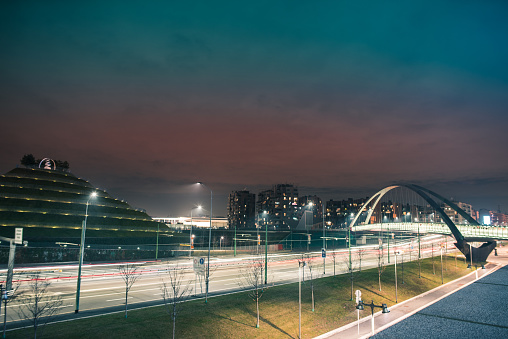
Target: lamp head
x: 385, y: 308
x: 93, y: 194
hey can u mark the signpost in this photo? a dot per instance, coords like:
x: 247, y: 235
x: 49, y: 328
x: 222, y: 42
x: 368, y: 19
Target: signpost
x: 199, y: 270
x: 18, y: 236
x: 398, y: 252
x: 358, y: 294
x: 18, y: 239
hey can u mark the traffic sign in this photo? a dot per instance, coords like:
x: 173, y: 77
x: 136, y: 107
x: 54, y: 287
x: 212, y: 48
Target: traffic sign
x: 199, y: 266
x: 18, y: 237
x: 358, y: 294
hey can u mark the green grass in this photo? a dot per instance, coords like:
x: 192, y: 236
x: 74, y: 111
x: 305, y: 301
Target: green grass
x: 234, y: 316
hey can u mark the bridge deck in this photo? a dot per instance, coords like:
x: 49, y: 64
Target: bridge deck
x: 475, y: 233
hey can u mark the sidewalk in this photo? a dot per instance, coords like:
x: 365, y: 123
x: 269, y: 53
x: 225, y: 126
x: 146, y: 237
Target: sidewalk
x: 413, y: 328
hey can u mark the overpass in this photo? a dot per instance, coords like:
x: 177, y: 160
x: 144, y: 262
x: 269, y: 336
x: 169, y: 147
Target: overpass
x: 418, y: 210
x: 469, y: 232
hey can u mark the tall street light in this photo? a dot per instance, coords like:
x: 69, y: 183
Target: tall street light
x: 207, y: 281
x: 82, y: 249
x: 191, y: 244
x: 311, y: 205
x: 324, y: 236
x: 266, y: 248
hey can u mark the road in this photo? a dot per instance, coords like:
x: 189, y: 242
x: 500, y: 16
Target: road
x: 103, y: 289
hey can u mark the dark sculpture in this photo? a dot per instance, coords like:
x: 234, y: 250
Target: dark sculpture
x: 480, y: 254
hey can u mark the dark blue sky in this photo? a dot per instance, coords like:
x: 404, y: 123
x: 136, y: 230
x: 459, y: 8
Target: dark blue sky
x: 338, y: 97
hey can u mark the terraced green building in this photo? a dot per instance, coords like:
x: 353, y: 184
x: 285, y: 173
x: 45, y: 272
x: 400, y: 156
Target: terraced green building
x: 50, y: 199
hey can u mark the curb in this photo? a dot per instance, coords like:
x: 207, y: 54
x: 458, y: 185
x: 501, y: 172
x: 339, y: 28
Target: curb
x: 368, y: 318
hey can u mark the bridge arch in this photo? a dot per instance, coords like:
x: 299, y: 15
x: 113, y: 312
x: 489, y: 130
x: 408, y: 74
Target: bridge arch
x: 480, y: 254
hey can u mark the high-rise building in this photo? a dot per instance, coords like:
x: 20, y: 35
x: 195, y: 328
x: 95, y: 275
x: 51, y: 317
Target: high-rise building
x: 241, y: 209
x: 312, y: 203
x: 457, y: 218
x: 281, y: 206
x: 339, y: 214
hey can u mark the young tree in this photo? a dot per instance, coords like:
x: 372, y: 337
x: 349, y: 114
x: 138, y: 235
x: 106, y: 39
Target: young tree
x: 380, y: 265
x: 350, y: 268
x: 310, y: 267
x: 433, y: 266
x: 174, y: 291
x: 129, y: 273
x: 334, y: 260
x: 252, y: 279
x: 37, y: 305
x: 360, y: 254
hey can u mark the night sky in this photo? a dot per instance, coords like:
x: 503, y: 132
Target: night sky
x: 340, y: 98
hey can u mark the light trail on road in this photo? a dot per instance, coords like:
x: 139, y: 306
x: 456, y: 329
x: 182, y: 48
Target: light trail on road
x: 103, y: 289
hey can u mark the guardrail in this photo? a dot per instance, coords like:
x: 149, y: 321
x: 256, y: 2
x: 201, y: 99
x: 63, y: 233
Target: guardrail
x: 498, y: 232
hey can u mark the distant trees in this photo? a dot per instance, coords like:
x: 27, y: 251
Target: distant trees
x: 29, y: 160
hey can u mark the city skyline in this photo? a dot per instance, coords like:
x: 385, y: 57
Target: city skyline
x: 339, y: 99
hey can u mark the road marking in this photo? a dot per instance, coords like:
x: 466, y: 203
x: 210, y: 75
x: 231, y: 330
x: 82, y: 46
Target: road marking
x: 118, y: 299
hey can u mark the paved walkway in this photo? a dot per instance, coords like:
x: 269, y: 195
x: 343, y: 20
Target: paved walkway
x: 464, y: 308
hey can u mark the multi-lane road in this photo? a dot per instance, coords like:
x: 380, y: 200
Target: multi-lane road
x: 103, y: 289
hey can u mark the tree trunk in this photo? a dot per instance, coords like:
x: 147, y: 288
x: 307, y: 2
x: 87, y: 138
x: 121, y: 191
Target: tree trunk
x: 126, y: 292
x: 257, y: 311
x: 174, y: 320
x: 351, y: 285
x: 312, y: 287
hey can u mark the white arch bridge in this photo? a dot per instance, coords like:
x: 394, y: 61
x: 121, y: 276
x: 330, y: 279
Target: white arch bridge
x: 373, y: 211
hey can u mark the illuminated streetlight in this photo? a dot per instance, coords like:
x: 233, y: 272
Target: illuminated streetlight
x: 266, y: 248
x: 311, y: 204
x: 191, y: 243
x: 207, y: 280
x: 324, y: 236
x: 82, y: 250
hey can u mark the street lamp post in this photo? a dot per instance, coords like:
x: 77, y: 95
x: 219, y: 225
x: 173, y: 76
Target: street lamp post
x: 191, y: 243
x: 396, y: 253
x: 311, y: 204
x: 441, y: 250
x: 207, y: 281
x: 301, y: 265
x: 82, y: 250
x: 266, y: 248
x: 258, y: 238
x: 324, y: 236
x: 157, y: 243
x: 361, y: 305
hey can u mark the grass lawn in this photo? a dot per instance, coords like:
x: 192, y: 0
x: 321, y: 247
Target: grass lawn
x: 234, y: 316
